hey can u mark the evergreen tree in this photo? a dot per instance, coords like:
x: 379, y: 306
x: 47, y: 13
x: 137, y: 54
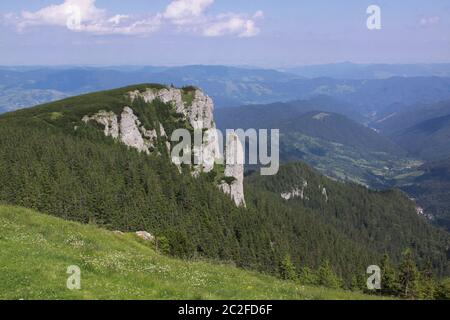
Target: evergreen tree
x: 408, y: 276
x: 443, y: 290
x: 428, y: 285
x: 358, y: 283
x: 389, y: 283
x: 308, y: 276
x: 327, y: 277
x: 287, y: 269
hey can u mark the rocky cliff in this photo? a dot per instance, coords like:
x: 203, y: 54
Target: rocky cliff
x: 197, y: 109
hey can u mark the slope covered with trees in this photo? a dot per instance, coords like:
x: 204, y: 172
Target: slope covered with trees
x: 52, y: 162
x: 122, y: 266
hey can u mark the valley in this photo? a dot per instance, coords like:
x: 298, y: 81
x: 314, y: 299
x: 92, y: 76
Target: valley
x: 225, y: 150
x: 56, y: 160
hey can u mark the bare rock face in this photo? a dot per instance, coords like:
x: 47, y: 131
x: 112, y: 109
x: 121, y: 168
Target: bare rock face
x: 200, y: 114
x: 166, y: 95
x: 234, y: 170
x: 295, y: 192
x: 144, y: 235
x: 198, y: 110
x: 324, y: 193
x: 201, y: 110
x: 108, y: 120
x: 130, y: 134
x: 129, y: 131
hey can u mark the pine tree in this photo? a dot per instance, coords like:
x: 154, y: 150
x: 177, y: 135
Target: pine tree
x: 287, y: 269
x: 408, y: 276
x: 327, y: 277
x: 308, y: 277
x: 428, y: 286
x: 389, y: 283
x: 443, y: 290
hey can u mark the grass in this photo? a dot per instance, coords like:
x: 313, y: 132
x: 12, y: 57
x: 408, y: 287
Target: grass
x: 37, y: 249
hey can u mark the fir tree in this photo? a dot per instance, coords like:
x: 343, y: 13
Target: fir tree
x: 389, y: 283
x: 427, y: 284
x: 308, y: 276
x: 327, y: 277
x: 408, y: 276
x: 287, y: 269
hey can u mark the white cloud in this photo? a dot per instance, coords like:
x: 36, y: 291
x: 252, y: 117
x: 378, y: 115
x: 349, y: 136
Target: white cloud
x: 84, y: 16
x: 185, y: 15
x: 429, y: 21
x: 190, y: 15
x: 231, y: 25
x: 183, y: 12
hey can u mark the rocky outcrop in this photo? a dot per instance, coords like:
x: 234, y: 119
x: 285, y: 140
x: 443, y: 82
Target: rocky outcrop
x: 298, y: 192
x: 421, y: 212
x: 197, y: 108
x: 234, y: 171
x: 133, y: 134
x: 108, y: 120
x: 144, y: 235
x: 129, y: 130
x: 199, y: 112
x: 324, y: 193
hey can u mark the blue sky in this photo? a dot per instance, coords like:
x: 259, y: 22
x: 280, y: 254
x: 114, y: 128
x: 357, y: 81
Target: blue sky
x: 264, y: 33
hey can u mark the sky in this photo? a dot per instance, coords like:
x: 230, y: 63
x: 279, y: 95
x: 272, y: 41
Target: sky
x: 265, y: 33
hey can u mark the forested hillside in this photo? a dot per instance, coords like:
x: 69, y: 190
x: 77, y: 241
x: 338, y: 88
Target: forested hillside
x: 317, y: 132
x: 430, y: 185
x: 122, y: 266
x: 53, y: 162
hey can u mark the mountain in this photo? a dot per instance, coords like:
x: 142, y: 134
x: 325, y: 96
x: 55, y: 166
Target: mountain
x: 422, y: 130
x: 228, y: 86
x: 301, y: 188
x: 120, y: 266
x: 330, y: 142
x: 103, y: 159
x: 430, y: 186
x: 349, y: 70
x: 265, y: 115
x: 428, y: 139
x: 340, y: 129
x: 403, y: 116
x: 24, y: 87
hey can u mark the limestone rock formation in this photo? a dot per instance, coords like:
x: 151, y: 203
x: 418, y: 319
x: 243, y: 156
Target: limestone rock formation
x: 324, y: 193
x: 234, y: 170
x: 108, y: 120
x: 129, y: 131
x: 295, y: 192
x: 198, y: 110
x: 133, y: 134
x: 144, y: 235
x: 200, y: 114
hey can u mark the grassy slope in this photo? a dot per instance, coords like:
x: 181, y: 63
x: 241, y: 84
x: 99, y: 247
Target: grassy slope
x: 36, y: 250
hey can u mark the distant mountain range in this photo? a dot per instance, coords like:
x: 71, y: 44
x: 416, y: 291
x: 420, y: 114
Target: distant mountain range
x: 422, y: 130
x: 228, y: 86
x: 349, y: 70
x: 317, y: 132
x: 370, y: 124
